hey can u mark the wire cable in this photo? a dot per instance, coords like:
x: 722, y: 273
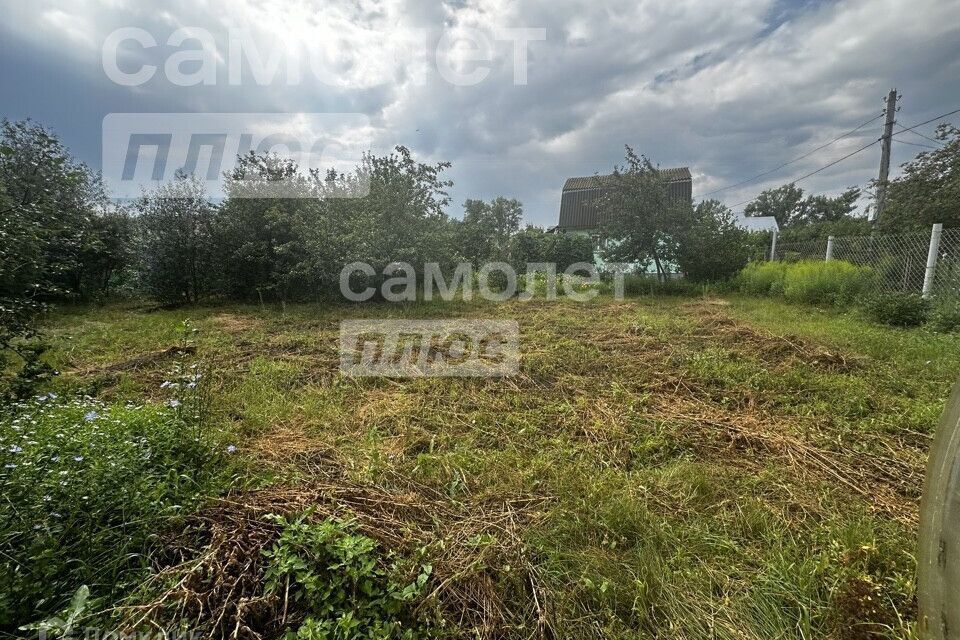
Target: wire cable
x: 823, y: 168
x: 917, y: 133
x: 906, y: 129
x: 797, y: 159
x: 849, y: 155
x: 918, y: 144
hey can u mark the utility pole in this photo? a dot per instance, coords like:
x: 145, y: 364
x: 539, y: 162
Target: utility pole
x: 887, y: 139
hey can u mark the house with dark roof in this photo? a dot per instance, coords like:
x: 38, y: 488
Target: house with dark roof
x: 578, y: 203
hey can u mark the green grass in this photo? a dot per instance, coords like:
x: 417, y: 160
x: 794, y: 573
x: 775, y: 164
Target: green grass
x: 680, y: 451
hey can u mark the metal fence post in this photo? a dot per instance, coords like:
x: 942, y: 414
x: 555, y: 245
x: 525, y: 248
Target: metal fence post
x: 932, y: 255
x: 773, y: 246
x: 829, y: 249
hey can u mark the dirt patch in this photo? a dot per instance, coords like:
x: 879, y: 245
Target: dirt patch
x: 216, y: 563
x: 781, y: 351
x: 888, y: 485
x: 236, y: 324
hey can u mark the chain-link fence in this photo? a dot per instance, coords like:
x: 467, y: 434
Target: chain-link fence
x: 899, y: 262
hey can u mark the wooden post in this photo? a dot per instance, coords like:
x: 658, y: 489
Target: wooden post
x: 932, y: 255
x: 887, y: 140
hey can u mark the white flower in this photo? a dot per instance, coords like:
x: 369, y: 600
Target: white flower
x: 231, y: 449
x: 15, y: 449
x: 78, y: 458
x: 174, y: 403
x: 91, y: 416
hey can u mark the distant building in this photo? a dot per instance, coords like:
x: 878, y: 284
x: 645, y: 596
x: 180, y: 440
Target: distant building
x: 756, y: 223
x: 579, y: 213
x: 578, y: 203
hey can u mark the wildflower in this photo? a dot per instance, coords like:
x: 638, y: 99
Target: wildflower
x: 91, y: 416
x: 15, y: 449
x: 166, y: 383
x: 9, y: 466
x: 78, y: 458
x: 52, y: 395
x: 231, y: 449
x: 174, y: 403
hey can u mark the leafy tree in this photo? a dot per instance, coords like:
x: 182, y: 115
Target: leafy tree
x: 262, y: 253
x: 176, y: 233
x: 929, y: 189
x: 641, y: 219
x: 782, y: 203
x: 789, y: 206
x: 485, y: 231
x: 848, y: 226
x: 52, y: 201
x: 713, y: 247
x: 821, y: 208
x: 54, y: 236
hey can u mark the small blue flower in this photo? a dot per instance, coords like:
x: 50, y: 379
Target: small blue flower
x: 91, y: 416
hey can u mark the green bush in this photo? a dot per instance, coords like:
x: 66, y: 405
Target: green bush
x: 809, y: 281
x: 85, y: 487
x: 762, y: 278
x: 338, y: 579
x: 945, y: 314
x: 897, y: 309
x: 816, y: 282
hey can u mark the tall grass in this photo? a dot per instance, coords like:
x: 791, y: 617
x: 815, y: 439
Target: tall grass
x: 812, y: 282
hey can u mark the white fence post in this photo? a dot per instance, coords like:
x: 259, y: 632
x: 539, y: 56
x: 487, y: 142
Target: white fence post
x: 829, y: 249
x: 932, y: 255
x: 773, y: 246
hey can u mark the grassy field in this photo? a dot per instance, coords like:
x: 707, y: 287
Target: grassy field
x: 661, y: 467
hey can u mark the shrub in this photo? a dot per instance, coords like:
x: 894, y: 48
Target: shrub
x: 816, y: 282
x: 337, y: 578
x: 85, y: 486
x: 898, y: 309
x: 945, y: 314
x: 762, y: 278
x: 713, y: 248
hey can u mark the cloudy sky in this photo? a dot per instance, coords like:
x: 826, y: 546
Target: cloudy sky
x: 727, y: 88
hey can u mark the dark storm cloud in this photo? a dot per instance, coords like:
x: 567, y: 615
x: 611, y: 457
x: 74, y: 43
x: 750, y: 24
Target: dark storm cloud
x: 729, y: 89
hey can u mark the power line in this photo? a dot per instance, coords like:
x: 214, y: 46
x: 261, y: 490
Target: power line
x: 823, y: 168
x: 797, y: 159
x: 927, y: 122
x: 849, y: 155
x: 918, y: 144
x: 917, y: 133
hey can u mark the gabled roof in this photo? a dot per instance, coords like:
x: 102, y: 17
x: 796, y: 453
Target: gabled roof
x: 592, y: 182
x: 578, y: 209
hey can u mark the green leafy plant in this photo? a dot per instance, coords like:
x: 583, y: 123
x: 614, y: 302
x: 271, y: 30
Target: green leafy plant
x: 816, y: 282
x: 897, y: 309
x: 808, y: 281
x: 945, y: 314
x: 338, y: 578
x: 86, y: 485
x: 761, y: 278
